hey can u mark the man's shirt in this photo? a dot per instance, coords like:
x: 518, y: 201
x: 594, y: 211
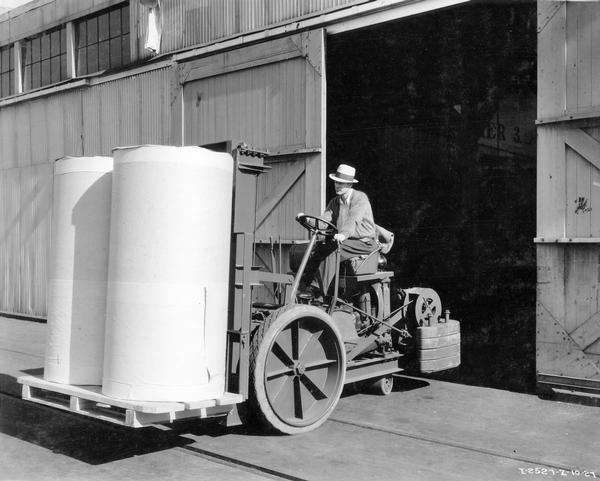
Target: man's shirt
x: 352, y: 215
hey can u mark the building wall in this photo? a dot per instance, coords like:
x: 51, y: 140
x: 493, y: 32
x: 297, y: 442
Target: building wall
x: 268, y: 95
x: 188, y: 23
x: 568, y: 199
x: 185, y: 23
x: 90, y: 116
x: 86, y: 121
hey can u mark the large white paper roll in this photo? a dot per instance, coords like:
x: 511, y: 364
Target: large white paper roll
x: 78, y: 270
x: 168, y: 280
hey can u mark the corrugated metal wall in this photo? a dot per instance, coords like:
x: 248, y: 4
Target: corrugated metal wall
x: 130, y: 111
x: 34, y: 134
x: 36, y: 16
x: 265, y: 107
x: 89, y: 121
x: 186, y: 23
x: 270, y: 106
x: 270, y: 96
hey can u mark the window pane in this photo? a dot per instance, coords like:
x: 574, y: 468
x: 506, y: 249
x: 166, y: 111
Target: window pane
x: 63, y: 39
x: 36, y: 75
x: 104, y: 55
x: 55, y: 43
x: 82, y: 61
x: 115, y: 52
x: 92, y: 30
x: 63, y: 66
x: 4, y: 60
x: 27, y: 78
x: 92, y: 54
x: 35, y: 49
x: 55, y: 69
x: 125, y: 44
x: 103, y: 27
x: 4, y: 86
x: 125, y: 19
x: 115, y: 23
x: 45, y: 41
x: 26, y: 52
x: 11, y: 84
x: 82, y: 34
x: 46, y: 78
x: 11, y: 57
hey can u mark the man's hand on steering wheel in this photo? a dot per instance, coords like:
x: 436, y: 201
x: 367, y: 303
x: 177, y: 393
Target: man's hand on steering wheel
x: 339, y: 237
x: 316, y: 225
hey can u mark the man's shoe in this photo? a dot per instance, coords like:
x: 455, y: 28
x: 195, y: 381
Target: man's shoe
x: 308, y: 293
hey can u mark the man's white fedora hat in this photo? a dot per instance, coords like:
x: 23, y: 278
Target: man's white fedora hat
x: 344, y: 173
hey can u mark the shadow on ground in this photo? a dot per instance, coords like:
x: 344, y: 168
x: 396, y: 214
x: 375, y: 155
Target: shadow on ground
x: 401, y: 384
x: 86, y: 439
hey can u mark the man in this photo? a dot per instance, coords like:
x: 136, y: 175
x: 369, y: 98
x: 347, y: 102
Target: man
x: 350, y: 211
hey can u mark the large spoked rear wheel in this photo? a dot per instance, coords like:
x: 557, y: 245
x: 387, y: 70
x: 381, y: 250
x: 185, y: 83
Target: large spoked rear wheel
x: 297, y: 369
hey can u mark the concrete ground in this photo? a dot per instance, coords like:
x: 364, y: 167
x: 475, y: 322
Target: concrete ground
x: 425, y: 430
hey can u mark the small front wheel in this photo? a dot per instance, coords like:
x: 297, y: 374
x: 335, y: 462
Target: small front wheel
x: 383, y: 386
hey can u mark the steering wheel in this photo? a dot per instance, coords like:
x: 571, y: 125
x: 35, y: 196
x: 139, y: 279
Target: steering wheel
x: 316, y: 225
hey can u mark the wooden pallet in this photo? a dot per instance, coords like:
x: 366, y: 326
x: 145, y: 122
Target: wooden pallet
x: 89, y: 401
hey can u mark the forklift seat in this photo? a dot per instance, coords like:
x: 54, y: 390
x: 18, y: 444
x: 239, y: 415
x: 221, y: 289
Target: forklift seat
x: 370, y: 263
x: 363, y: 264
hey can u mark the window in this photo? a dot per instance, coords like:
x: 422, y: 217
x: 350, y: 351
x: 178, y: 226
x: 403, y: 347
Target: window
x: 45, y: 59
x: 7, y: 70
x: 103, y: 41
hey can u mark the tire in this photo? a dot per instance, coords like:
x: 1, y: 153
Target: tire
x: 382, y: 386
x: 297, y: 369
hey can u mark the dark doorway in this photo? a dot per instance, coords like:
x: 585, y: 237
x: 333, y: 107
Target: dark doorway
x: 437, y: 113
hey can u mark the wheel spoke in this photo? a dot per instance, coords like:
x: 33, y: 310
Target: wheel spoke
x: 278, y: 373
x: 295, y: 339
x: 298, y: 411
x: 281, y: 354
x: 312, y: 388
x: 320, y: 364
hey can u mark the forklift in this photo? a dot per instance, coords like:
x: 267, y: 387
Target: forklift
x: 288, y: 361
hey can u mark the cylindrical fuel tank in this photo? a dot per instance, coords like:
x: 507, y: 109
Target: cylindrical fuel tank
x: 168, y: 283
x: 78, y: 270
